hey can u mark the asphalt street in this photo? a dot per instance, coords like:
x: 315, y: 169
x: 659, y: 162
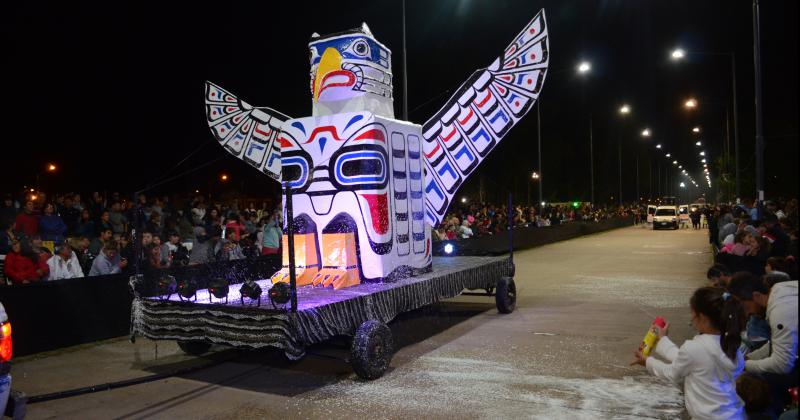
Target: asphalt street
x: 583, y: 306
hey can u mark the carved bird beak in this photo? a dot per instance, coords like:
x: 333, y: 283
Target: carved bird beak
x: 331, y: 61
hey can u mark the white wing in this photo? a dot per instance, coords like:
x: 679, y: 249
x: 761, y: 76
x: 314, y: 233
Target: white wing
x: 460, y: 135
x: 246, y: 132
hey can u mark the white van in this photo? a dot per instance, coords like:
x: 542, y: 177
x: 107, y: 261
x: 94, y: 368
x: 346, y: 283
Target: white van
x: 666, y: 216
x: 683, y: 215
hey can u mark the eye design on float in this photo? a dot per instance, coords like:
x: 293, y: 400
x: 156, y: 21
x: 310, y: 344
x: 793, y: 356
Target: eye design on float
x: 359, y: 47
x: 360, y: 168
x: 294, y: 170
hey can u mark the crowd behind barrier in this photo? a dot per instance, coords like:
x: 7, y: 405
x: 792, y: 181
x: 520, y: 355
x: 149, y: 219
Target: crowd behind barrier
x: 754, y: 284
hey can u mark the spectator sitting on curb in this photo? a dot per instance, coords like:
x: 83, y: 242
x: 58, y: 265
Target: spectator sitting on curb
x: 719, y: 275
x: 108, y: 262
x: 27, y: 220
x: 51, y: 226
x: 776, y: 362
x: 64, y: 264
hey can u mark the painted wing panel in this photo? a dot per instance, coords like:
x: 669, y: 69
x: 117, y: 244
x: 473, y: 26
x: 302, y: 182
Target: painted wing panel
x: 246, y: 132
x: 479, y: 115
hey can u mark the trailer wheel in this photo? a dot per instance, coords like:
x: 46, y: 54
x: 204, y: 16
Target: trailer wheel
x: 506, y: 295
x: 194, y: 348
x: 371, y: 350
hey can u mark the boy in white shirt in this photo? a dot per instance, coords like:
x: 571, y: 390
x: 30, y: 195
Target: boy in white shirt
x: 64, y: 264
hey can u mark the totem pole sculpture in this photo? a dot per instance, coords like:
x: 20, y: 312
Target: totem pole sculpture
x: 366, y: 187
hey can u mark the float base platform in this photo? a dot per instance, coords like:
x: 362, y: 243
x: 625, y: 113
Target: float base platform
x: 322, y: 313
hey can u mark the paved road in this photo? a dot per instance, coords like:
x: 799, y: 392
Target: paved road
x: 583, y: 306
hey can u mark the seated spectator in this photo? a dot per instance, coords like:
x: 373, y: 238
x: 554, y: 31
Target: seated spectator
x: 781, y: 265
x: 211, y: 218
x: 7, y: 237
x: 27, y: 220
x: 104, y: 222
x: 118, y: 220
x: 126, y: 250
x: 777, y: 362
x: 39, y: 248
x: 229, y: 249
x: 80, y: 246
x: 185, y: 227
x: 51, y: 226
x: 719, y: 275
x: 738, y: 247
x: 97, y: 244
x: 84, y: 226
x: 177, y: 254
x: 154, y: 261
x: 779, y: 241
x: 465, y: 231
x: 108, y: 262
x: 64, y: 264
x: 23, y: 264
x: 164, y: 253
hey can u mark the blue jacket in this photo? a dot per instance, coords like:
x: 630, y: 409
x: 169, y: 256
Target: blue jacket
x: 52, y: 228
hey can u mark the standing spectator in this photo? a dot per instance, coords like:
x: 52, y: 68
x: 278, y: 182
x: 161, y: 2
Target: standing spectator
x: 117, y: 218
x: 154, y: 224
x: 51, y: 226
x: 70, y: 214
x: 108, y: 262
x: 235, y: 227
x: 97, y: 205
x: 8, y: 213
x: 198, y: 212
x: 27, y: 220
x: 85, y: 225
x: 104, y: 222
x: 271, y: 236
x: 64, y: 264
x: 77, y: 203
x: 7, y: 237
x: 185, y: 227
x: 203, y: 248
x: 779, y: 241
x: 126, y: 250
x: 100, y: 242
x: 23, y: 264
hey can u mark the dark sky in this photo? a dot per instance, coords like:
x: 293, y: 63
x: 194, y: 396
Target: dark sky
x: 113, y: 92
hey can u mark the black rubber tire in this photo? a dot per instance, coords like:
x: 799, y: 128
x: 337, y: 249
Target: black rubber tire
x: 194, y: 348
x: 505, y: 295
x: 371, y: 350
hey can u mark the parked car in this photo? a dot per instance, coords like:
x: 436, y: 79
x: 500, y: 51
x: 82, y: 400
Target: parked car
x: 666, y: 216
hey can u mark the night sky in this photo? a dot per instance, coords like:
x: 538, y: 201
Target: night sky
x: 113, y: 93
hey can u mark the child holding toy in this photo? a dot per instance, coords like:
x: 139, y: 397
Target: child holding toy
x: 709, y: 363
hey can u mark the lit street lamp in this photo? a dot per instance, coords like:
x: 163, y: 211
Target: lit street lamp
x: 677, y: 54
x: 223, y: 177
x: 646, y: 132
x: 658, y: 146
x: 699, y: 143
x: 584, y: 67
x: 696, y: 130
x: 690, y: 103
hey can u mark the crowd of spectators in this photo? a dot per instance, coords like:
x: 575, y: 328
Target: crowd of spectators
x: 67, y: 237
x: 746, y: 319
x: 483, y: 219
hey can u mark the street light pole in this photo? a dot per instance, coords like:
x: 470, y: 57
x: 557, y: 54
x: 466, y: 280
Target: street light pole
x: 405, y: 68
x: 759, y: 112
x: 539, y: 134
x: 591, y: 160
x: 735, y: 126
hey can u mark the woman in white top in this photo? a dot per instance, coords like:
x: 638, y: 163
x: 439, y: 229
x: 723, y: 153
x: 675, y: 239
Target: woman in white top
x: 709, y: 363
